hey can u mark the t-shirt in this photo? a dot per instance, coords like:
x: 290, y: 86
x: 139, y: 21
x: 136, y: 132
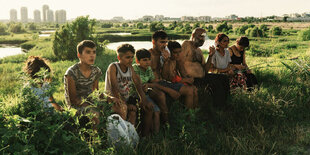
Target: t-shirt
x: 219, y: 61
x: 42, y: 93
x: 124, y: 81
x: 83, y: 85
x: 145, y: 76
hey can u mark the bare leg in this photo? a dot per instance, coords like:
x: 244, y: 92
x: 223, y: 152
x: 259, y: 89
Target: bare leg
x: 187, y: 91
x: 160, y: 99
x: 156, y: 119
x: 132, y: 110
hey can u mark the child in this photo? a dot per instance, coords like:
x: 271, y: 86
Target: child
x: 33, y: 65
x: 119, y: 78
x: 171, y: 73
x: 82, y: 79
x: 143, y: 69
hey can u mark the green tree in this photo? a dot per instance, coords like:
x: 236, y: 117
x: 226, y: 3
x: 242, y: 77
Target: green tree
x: 221, y: 27
x: 106, y: 25
x: 156, y: 26
x: 254, y: 32
x: 2, y: 28
x: 276, y: 30
x: 196, y: 25
x: 32, y: 26
x: 125, y: 25
x: 16, y: 28
x: 210, y: 28
x: 172, y: 26
x: 68, y: 36
x: 140, y: 25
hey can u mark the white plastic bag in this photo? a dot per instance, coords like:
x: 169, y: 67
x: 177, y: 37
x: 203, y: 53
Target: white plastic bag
x: 121, y: 132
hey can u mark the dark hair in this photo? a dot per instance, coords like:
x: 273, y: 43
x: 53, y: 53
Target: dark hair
x: 34, y: 64
x: 220, y: 36
x: 85, y: 43
x: 173, y: 45
x: 125, y: 48
x: 142, y: 53
x: 243, y: 41
x: 160, y: 34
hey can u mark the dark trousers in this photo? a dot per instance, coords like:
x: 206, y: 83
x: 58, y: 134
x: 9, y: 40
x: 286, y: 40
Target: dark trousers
x: 251, y: 80
x: 217, y: 84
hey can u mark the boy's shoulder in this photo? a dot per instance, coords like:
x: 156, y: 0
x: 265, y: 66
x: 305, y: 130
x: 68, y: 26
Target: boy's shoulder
x: 72, y: 69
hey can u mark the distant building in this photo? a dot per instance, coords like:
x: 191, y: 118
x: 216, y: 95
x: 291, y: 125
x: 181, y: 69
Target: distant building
x: 232, y: 17
x: 50, y: 16
x: 159, y: 17
x: 148, y: 18
x: 13, y: 15
x: 45, y: 9
x: 187, y: 18
x: 37, y: 16
x: 294, y: 15
x: 204, y: 18
x: 24, y: 14
x: 118, y: 18
x: 61, y: 16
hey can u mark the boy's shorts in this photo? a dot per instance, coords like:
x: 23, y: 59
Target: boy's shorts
x: 174, y: 86
x: 134, y: 99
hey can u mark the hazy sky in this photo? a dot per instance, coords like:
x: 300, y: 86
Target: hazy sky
x: 132, y: 9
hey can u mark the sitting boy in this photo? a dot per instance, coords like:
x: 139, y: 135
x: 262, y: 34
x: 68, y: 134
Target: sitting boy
x: 119, y: 78
x: 171, y: 73
x: 82, y: 79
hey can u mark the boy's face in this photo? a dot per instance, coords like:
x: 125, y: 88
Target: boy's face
x: 88, y: 55
x: 176, y: 53
x: 160, y: 44
x: 145, y: 62
x: 126, y: 58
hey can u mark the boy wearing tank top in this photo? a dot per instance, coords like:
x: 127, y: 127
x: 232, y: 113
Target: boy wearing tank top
x: 119, y: 78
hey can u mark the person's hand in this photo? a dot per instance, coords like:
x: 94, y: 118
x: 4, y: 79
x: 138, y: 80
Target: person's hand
x: 230, y: 72
x: 165, y: 54
x: 117, y: 101
x: 188, y: 80
x: 147, y: 106
x: 211, y: 51
x: 145, y: 87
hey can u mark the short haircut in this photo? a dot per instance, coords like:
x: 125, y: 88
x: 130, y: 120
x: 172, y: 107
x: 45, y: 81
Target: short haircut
x: 34, y: 65
x: 173, y: 45
x: 219, y: 37
x: 85, y: 43
x: 160, y: 34
x: 142, y: 53
x: 122, y: 49
x: 243, y: 41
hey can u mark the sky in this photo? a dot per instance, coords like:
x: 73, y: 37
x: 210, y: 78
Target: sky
x: 133, y: 9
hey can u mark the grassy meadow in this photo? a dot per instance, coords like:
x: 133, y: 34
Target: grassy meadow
x: 273, y: 119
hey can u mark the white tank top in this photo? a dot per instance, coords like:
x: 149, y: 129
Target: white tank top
x: 124, y: 81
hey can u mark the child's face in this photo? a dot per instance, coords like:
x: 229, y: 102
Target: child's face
x: 224, y: 42
x: 88, y: 55
x: 176, y: 53
x: 126, y: 58
x: 144, y: 63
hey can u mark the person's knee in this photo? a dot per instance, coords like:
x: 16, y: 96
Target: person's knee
x: 187, y: 90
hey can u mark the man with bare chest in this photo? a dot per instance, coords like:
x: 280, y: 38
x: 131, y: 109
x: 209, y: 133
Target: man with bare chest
x: 193, y: 64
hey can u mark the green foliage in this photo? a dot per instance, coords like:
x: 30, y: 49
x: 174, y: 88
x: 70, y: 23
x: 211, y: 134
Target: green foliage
x: 140, y: 25
x: 2, y: 29
x: 264, y: 27
x: 68, y: 36
x: 154, y: 26
x: 28, y: 45
x: 210, y: 28
x: 223, y: 27
x: 304, y: 35
x: 107, y: 25
x: 32, y: 26
x: 254, y: 32
x: 196, y: 25
x: 173, y: 25
x: 125, y: 25
x: 276, y: 30
x: 17, y: 28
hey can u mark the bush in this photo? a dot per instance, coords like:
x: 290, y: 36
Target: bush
x: 125, y: 25
x: 28, y: 45
x: 254, y: 32
x: 2, y: 29
x: 32, y: 26
x: 223, y: 27
x: 304, y: 35
x: 68, y: 36
x: 210, y: 28
x: 106, y: 25
x: 156, y: 26
x: 16, y: 28
x: 140, y: 25
x: 263, y: 27
x: 276, y: 30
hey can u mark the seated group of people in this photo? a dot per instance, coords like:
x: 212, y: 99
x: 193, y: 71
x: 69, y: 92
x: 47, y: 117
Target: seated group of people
x: 166, y: 70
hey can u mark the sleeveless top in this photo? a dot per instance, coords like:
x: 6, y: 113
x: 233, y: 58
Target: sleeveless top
x: 237, y: 60
x: 124, y: 81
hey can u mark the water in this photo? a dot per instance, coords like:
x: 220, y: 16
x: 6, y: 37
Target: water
x: 9, y: 51
x: 121, y: 34
x: 148, y: 44
x: 46, y: 33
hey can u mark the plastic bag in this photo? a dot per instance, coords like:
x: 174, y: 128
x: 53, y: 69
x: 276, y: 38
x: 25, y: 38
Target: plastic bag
x: 121, y: 132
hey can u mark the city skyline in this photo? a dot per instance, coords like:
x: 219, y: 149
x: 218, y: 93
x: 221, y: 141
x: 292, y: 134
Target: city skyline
x: 173, y: 8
